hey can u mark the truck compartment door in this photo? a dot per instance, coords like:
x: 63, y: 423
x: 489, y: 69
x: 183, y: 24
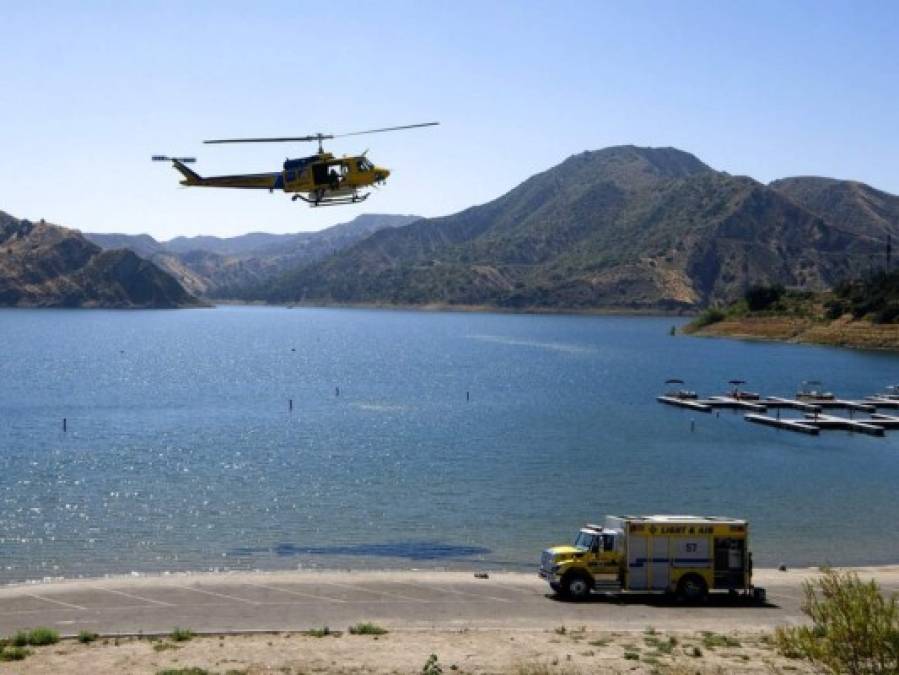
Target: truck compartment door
x: 637, y: 563
x: 660, y: 563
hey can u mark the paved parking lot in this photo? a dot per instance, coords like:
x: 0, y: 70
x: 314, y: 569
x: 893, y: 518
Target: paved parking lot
x: 403, y: 600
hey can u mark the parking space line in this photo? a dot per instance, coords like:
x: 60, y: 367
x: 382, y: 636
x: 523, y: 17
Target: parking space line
x: 56, y: 602
x: 291, y: 592
x: 443, y: 589
x: 218, y: 595
x: 369, y: 590
x: 133, y: 597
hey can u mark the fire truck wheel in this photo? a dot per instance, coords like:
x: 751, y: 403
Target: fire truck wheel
x: 576, y: 586
x: 692, y: 588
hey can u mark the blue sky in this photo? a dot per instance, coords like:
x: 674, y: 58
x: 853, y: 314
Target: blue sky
x: 91, y: 90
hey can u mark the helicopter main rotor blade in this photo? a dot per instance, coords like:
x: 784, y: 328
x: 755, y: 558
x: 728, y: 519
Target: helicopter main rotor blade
x: 378, y: 131
x: 318, y: 137
x: 286, y: 139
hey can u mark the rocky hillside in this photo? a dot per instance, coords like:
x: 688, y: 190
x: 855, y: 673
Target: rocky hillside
x: 620, y: 228
x: 225, y: 267
x: 847, y: 204
x: 44, y: 265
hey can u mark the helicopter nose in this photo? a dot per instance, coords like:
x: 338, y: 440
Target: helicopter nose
x: 381, y: 174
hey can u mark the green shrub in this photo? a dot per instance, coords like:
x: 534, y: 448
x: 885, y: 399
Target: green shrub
x: 324, y: 631
x: 855, y: 628
x: 712, y: 640
x: 86, y: 636
x: 834, y: 309
x: 367, y: 629
x: 36, y: 637
x: 184, y: 671
x: 762, y: 297
x: 632, y: 656
x: 43, y: 636
x: 20, y: 639
x: 181, y: 634
x: 432, y: 666
x: 164, y: 646
x: 708, y: 317
x: 13, y: 653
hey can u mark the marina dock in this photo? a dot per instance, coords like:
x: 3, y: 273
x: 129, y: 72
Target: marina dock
x: 813, y: 420
x: 789, y: 424
x: 835, y: 403
x: 885, y: 421
x: 731, y: 402
x: 844, y: 424
x: 881, y: 402
x: 690, y: 403
x: 778, y: 402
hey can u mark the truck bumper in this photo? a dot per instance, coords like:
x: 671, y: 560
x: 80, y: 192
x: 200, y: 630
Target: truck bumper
x: 548, y: 576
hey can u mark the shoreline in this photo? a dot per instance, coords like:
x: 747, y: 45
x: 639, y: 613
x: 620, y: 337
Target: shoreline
x: 137, y: 579
x: 465, y: 309
x: 859, y: 335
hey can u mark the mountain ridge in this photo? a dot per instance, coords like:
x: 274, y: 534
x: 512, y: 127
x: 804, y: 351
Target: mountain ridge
x: 220, y: 267
x: 46, y: 265
x: 618, y: 228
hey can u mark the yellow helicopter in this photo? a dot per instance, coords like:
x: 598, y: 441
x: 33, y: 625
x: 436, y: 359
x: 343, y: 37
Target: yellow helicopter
x: 319, y: 180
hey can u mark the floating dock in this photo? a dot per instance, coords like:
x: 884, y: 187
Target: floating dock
x: 881, y: 402
x: 813, y: 420
x: 690, y: 403
x: 844, y: 424
x: 825, y: 403
x: 731, y: 402
x: 778, y: 402
x: 789, y: 424
x: 885, y: 421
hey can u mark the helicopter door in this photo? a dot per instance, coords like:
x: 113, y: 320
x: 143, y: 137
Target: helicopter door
x: 320, y: 174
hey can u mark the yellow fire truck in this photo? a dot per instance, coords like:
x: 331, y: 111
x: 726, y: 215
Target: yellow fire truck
x: 684, y: 555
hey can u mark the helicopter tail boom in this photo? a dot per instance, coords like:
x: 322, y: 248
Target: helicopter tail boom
x: 252, y: 181
x: 190, y: 177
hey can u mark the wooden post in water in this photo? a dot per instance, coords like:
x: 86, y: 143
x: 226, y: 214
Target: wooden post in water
x: 692, y: 425
x: 337, y: 391
x: 64, y: 424
x: 290, y: 404
x: 467, y: 395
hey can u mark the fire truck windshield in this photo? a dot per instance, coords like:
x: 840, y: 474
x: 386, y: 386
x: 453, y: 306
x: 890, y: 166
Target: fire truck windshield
x: 584, y: 540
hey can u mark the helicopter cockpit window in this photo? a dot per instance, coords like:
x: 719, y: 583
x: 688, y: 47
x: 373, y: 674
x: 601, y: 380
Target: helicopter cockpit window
x: 364, y: 165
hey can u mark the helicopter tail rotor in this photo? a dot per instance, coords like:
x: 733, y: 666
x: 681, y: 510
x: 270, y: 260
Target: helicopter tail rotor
x: 166, y: 158
x: 190, y: 177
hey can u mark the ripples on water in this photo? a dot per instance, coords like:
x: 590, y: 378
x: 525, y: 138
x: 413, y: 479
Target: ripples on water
x: 181, y: 453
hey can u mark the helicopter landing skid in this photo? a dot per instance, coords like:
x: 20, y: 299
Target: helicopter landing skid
x: 332, y: 201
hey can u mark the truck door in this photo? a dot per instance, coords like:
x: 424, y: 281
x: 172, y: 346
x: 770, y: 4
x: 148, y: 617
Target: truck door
x: 730, y: 562
x: 604, y: 565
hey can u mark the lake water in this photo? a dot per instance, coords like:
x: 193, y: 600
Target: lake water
x: 182, y: 454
